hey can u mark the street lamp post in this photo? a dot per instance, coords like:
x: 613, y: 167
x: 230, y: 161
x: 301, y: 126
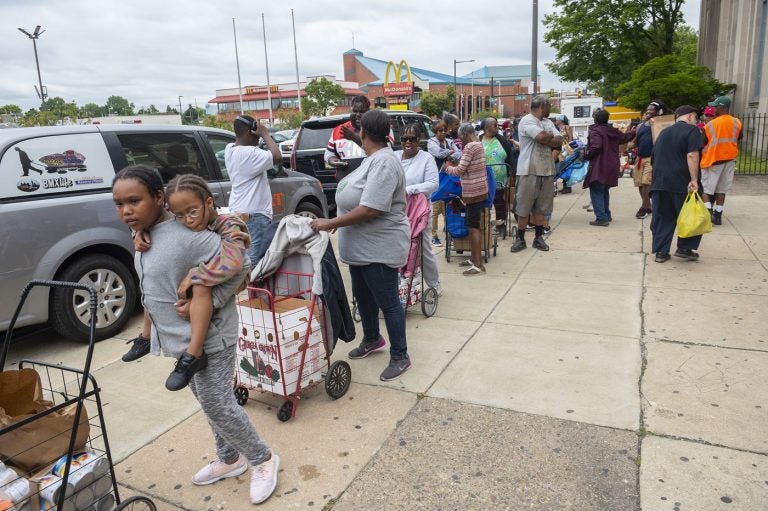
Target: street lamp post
x: 455, y: 92
x: 181, y: 114
x: 34, y: 36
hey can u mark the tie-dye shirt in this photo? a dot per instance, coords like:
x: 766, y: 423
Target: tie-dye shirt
x: 228, y: 262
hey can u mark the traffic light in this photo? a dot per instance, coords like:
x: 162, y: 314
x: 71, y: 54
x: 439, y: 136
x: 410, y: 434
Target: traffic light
x: 578, y: 93
x: 551, y: 93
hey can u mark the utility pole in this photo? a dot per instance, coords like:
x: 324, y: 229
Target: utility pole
x: 181, y: 113
x: 535, y: 46
x: 266, y: 61
x: 35, y: 35
x: 237, y: 61
x: 296, y: 59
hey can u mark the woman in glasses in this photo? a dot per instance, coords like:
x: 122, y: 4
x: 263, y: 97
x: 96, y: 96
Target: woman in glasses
x: 420, y: 177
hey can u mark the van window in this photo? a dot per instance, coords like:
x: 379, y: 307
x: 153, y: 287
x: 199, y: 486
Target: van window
x: 218, y: 144
x: 170, y: 153
x: 55, y: 164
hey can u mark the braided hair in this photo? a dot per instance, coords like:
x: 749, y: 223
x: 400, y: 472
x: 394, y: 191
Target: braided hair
x: 144, y: 174
x: 190, y: 183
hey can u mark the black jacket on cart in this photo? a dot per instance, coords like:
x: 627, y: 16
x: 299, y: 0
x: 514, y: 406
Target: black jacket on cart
x: 335, y: 299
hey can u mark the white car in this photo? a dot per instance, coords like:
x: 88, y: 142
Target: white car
x: 286, y: 148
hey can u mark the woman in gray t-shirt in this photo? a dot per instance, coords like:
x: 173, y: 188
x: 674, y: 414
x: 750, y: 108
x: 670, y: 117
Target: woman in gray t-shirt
x: 374, y: 237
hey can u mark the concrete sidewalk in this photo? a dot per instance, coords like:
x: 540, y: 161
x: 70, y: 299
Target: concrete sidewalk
x: 586, y: 378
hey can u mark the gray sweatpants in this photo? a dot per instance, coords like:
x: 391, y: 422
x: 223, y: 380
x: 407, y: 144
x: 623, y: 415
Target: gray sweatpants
x: 232, y: 429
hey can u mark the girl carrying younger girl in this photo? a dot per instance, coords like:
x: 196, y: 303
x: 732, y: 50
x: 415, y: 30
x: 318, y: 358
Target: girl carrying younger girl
x: 176, y: 247
x: 191, y: 203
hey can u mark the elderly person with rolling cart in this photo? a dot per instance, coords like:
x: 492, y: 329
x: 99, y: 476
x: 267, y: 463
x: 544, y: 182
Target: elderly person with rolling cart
x: 474, y: 192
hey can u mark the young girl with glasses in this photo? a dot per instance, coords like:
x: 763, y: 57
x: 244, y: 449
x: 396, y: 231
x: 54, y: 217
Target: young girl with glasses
x: 191, y: 203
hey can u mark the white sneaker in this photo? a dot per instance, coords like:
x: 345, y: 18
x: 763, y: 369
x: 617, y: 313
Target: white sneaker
x: 439, y: 289
x: 218, y: 470
x: 264, y: 479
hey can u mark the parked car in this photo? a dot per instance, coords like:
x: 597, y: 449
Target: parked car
x: 57, y: 219
x: 309, y: 147
x: 286, y: 148
x: 283, y: 135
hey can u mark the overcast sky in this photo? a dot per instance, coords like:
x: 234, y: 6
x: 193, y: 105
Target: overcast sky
x: 152, y: 51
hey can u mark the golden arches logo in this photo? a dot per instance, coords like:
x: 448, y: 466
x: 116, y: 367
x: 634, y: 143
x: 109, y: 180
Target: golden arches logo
x: 398, y: 72
x: 398, y: 88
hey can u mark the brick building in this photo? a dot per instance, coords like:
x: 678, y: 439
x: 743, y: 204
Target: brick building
x: 500, y: 88
x: 283, y: 95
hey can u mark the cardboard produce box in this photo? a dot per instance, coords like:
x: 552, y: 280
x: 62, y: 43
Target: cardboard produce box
x: 269, y: 348
x: 660, y: 122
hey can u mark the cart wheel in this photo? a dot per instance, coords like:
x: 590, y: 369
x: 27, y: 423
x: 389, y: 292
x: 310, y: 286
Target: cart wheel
x: 429, y: 302
x: 138, y: 503
x: 285, y: 411
x: 495, y: 246
x: 338, y: 379
x: 447, y: 248
x: 241, y: 395
x: 487, y: 255
x: 513, y: 232
x: 356, y: 314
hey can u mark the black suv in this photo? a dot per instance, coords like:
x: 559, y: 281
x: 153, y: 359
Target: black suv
x: 310, y: 144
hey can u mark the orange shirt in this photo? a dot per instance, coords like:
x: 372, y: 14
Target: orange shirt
x: 722, y: 140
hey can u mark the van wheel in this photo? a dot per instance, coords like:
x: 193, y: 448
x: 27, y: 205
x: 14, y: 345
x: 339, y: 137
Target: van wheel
x: 115, y: 287
x: 309, y: 210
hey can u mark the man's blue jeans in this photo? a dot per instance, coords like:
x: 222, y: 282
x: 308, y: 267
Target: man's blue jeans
x: 601, y: 201
x: 375, y: 288
x: 257, y: 224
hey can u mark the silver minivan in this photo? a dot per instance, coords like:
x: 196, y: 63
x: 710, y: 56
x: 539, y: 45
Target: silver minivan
x: 57, y: 219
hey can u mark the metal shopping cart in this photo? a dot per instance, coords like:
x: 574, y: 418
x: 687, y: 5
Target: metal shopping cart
x: 52, y: 430
x: 284, y: 343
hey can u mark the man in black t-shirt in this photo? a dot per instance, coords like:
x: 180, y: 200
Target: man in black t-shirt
x: 675, y: 172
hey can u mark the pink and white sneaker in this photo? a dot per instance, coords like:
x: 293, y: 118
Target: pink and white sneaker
x: 218, y: 470
x: 264, y: 479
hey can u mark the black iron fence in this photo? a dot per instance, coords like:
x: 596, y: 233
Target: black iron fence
x: 753, y: 147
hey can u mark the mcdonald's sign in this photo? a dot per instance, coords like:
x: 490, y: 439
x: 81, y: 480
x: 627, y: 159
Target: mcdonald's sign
x: 398, y: 87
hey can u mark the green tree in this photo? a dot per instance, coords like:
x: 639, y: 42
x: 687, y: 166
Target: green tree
x: 434, y: 104
x: 673, y: 81
x: 91, y: 110
x: 10, y: 109
x: 119, y: 105
x: 482, y: 114
x: 686, y: 44
x: 170, y: 110
x: 600, y: 42
x: 213, y: 122
x: 34, y: 117
x: 60, y: 109
x: 192, y: 115
x: 289, y: 119
x: 322, y: 97
x: 152, y: 110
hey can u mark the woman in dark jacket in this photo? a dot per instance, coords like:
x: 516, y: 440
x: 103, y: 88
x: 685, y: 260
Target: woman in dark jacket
x: 603, y: 155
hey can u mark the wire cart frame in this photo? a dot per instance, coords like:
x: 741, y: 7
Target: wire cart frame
x: 90, y: 485
x: 284, y: 343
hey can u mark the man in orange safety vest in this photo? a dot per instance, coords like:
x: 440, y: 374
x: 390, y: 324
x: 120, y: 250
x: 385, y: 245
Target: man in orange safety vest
x: 718, y: 158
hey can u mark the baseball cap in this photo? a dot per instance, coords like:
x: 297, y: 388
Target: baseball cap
x: 684, y: 110
x: 721, y: 101
x: 709, y: 111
